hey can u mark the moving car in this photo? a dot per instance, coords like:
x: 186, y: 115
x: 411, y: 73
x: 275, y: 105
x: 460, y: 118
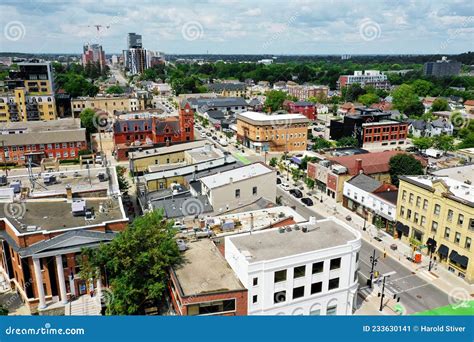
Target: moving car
x: 307, y: 201
x: 296, y: 193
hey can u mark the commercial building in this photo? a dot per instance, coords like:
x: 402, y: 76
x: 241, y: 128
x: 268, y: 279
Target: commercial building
x: 305, y: 108
x: 375, y: 201
x: 137, y: 130
x: 61, y: 139
x: 135, y: 60
x: 134, y: 41
x: 304, y: 92
x: 442, y: 68
x: 42, y: 235
x: 365, y: 78
x: 205, y: 284
x: 110, y: 104
x: 93, y: 54
x: 35, y: 76
x: 240, y: 186
x: 435, y: 214
x: 304, y: 269
x: 274, y: 133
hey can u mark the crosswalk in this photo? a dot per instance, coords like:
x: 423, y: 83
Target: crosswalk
x: 427, y: 275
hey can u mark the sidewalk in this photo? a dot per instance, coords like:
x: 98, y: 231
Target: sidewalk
x: 439, y: 276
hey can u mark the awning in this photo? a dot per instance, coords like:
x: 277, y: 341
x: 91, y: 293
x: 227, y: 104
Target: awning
x: 453, y: 256
x: 463, y: 260
x: 296, y: 160
x: 402, y: 228
x: 443, y: 250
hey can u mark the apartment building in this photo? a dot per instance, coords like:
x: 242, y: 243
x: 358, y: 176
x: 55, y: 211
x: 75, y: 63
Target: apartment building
x: 61, y: 139
x: 109, y: 104
x: 304, y: 269
x: 304, y: 92
x: 436, y: 213
x: 93, y: 54
x: 228, y: 89
x: 365, y: 78
x: 273, y: 133
x: 383, y: 134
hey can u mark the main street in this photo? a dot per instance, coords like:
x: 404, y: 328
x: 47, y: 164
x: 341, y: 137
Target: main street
x: 416, y: 293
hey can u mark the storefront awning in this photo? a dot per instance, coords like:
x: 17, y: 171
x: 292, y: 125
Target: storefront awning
x: 431, y: 243
x: 402, y: 228
x: 453, y: 256
x: 443, y: 250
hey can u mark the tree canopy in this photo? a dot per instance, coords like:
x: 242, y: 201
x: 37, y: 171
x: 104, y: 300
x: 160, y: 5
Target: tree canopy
x: 275, y: 99
x: 404, y: 164
x: 136, y: 261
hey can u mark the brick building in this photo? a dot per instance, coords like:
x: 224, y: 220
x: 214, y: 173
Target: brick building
x: 139, y: 130
x: 306, y: 108
x: 304, y: 92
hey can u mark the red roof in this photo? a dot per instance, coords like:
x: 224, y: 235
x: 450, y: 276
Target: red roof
x: 469, y: 103
x: 372, y: 163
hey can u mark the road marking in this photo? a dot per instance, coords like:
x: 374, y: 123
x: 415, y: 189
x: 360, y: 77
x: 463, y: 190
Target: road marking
x: 414, y: 288
x: 426, y: 274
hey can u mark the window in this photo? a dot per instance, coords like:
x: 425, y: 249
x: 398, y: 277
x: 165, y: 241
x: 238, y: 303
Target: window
x: 331, y: 310
x: 298, y: 292
x: 237, y: 193
x: 279, y: 297
x: 409, y: 214
x: 418, y: 201
x: 423, y: 221
x: 254, y: 299
x: 460, y: 219
x: 333, y: 283
x: 318, y: 267
x: 471, y: 224
x: 254, y: 190
x: 416, y: 217
x: 402, y: 211
x: 437, y: 209
x: 447, y: 231
x: 425, y: 204
x: 299, y: 271
x: 211, y: 307
x: 450, y: 215
x: 316, y: 287
x: 434, y: 226
x: 457, y: 238
x: 410, y: 200
x: 467, y: 244
x: 335, y: 264
x: 417, y: 235
x: 404, y: 195
x: 255, y: 281
x: 315, y: 312
x: 280, y: 276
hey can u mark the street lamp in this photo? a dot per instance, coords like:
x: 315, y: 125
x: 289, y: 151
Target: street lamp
x: 431, y: 249
x: 382, y: 294
x: 373, y: 261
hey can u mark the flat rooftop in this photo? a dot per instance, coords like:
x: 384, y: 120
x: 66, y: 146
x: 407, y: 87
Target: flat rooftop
x: 461, y: 173
x: 236, y: 175
x: 168, y: 149
x: 205, y: 270
x: 271, y: 244
x: 205, y: 153
x: 49, y: 215
x: 40, y: 126
x: 276, y: 118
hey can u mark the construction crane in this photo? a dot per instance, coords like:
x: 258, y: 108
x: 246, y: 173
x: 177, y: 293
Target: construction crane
x: 98, y: 27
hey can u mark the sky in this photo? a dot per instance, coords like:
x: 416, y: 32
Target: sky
x: 241, y: 26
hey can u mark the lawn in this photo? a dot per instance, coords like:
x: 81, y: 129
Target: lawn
x: 451, y: 310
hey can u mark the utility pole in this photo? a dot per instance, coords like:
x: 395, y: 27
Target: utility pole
x: 382, y: 295
x: 431, y: 249
x: 4, y: 158
x: 373, y: 261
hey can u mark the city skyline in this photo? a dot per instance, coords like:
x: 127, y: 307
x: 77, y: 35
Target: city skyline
x: 241, y: 27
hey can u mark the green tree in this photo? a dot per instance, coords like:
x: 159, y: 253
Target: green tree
x: 404, y: 97
x: 415, y: 109
x: 137, y: 261
x: 444, y: 143
x: 422, y: 87
x: 115, y: 89
x: 295, y: 174
x: 439, y: 105
x: 368, y: 99
x: 347, y: 142
x: 352, y: 92
x: 273, y: 162
x: 88, y: 121
x: 3, y: 310
x: 310, y: 183
x: 404, y: 164
x: 422, y: 143
x: 320, y: 143
x: 122, y: 181
x: 467, y: 141
x: 274, y: 100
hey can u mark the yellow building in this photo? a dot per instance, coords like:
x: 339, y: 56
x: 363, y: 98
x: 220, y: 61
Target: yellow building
x: 438, y: 211
x: 110, y: 104
x: 273, y: 133
x: 23, y: 106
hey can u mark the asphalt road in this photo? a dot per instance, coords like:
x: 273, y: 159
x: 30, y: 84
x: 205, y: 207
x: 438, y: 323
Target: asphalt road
x: 416, y: 293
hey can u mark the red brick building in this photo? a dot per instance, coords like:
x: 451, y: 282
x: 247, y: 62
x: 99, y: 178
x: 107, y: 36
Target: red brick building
x: 384, y: 134
x: 146, y: 129
x: 205, y: 284
x: 308, y: 109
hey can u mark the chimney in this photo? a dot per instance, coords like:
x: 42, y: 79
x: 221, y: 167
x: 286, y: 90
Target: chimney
x: 359, y: 169
x: 69, y: 193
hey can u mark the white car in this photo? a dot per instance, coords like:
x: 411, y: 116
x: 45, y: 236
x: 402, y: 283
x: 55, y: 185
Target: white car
x: 203, y: 135
x: 285, y: 186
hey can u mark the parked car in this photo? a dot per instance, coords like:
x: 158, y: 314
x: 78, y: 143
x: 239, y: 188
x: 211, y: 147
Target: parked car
x: 296, y: 193
x: 285, y: 186
x: 203, y: 135
x: 214, y: 138
x: 307, y: 201
x: 278, y: 180
x: 208, y: 134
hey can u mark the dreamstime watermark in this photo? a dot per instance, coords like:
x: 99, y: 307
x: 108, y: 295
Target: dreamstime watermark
x: 192, y: 30
x: 458, y: 120
x: 47, y: 329
x: 14, y: 31
x: 456, y: 33
x: 14, y: 210
x: 281, y: 119
x: 192, y: 207
x: 459, y: 297
x: 278, y: 34
x: 102, y: 121
x: 369, y: 29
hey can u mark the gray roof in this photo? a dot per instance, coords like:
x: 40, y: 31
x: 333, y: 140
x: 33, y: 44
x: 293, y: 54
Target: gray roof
x: 419, y: 125
x: 364, y: 182
x: 441, y: 123
x: 226, y: 86
x: 218, y: 102
x: 184, y: 206
x: 216, y: 114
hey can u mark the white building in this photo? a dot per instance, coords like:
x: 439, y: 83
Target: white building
x: 241, y: 186
x: 305, y: 269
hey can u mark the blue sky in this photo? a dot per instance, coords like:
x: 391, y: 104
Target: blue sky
x: 241, y: 26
